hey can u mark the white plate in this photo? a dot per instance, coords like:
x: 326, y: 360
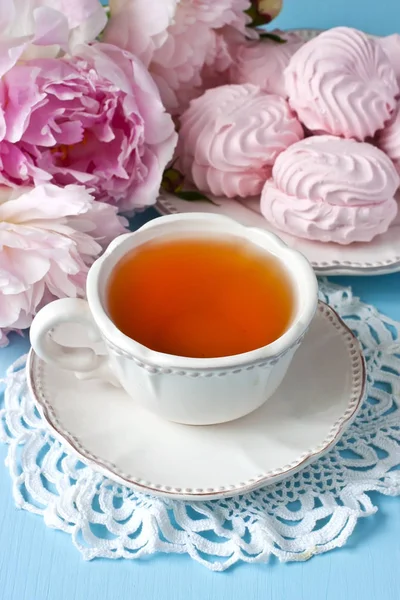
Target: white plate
x: 315, y: 404
x: 378, y: 257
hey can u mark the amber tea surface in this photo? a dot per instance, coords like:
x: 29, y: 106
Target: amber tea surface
x: 200, y: 298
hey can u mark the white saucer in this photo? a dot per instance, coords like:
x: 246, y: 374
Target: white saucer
x: 380, y: 256
x: 315, y: 404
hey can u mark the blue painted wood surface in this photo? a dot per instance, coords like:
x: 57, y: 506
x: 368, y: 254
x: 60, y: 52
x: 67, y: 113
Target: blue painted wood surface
x: 37, y: 563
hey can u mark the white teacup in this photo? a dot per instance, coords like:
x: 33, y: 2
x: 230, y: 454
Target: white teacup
x: 186, y: 390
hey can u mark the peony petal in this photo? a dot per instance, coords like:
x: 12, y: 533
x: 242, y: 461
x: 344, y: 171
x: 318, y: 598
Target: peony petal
x: 23, y: 97
x: 136, y: 28
x: 50, y: 27
x: 27, y: 268
x: 7, y: 15
x: 46, y: 202
x: 40, y: 28
x: 19, y: 167
x: 10, y: 52
x: 10, y: 309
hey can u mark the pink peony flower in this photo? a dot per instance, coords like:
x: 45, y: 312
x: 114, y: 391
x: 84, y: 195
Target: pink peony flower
x: 49, y: 236
x: 231, y: 136
x: 94, y: 118
x: 33, y: 28
x: 182, y: 42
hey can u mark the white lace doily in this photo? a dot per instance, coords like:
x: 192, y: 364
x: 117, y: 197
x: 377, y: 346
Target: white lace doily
x: 306, y: 514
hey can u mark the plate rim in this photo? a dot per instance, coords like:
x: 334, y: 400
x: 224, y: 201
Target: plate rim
x: 358, y: 370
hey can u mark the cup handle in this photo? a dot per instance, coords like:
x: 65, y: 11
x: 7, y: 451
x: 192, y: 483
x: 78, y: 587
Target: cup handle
x: 83, y: 361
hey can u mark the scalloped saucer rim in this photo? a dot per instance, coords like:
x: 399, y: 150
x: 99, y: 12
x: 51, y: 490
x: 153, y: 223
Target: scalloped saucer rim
x: 295, y: 427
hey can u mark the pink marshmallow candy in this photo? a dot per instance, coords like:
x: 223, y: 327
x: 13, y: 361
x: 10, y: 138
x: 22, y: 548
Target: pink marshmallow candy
x: 332, y: 190
x: 263, y: 64
x: 388, y: 139
x: 342, y: 83
x: 231, y: 136
x: 391, y: 46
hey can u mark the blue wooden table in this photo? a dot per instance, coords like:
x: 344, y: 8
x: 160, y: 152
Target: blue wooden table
x: 37, y: 563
